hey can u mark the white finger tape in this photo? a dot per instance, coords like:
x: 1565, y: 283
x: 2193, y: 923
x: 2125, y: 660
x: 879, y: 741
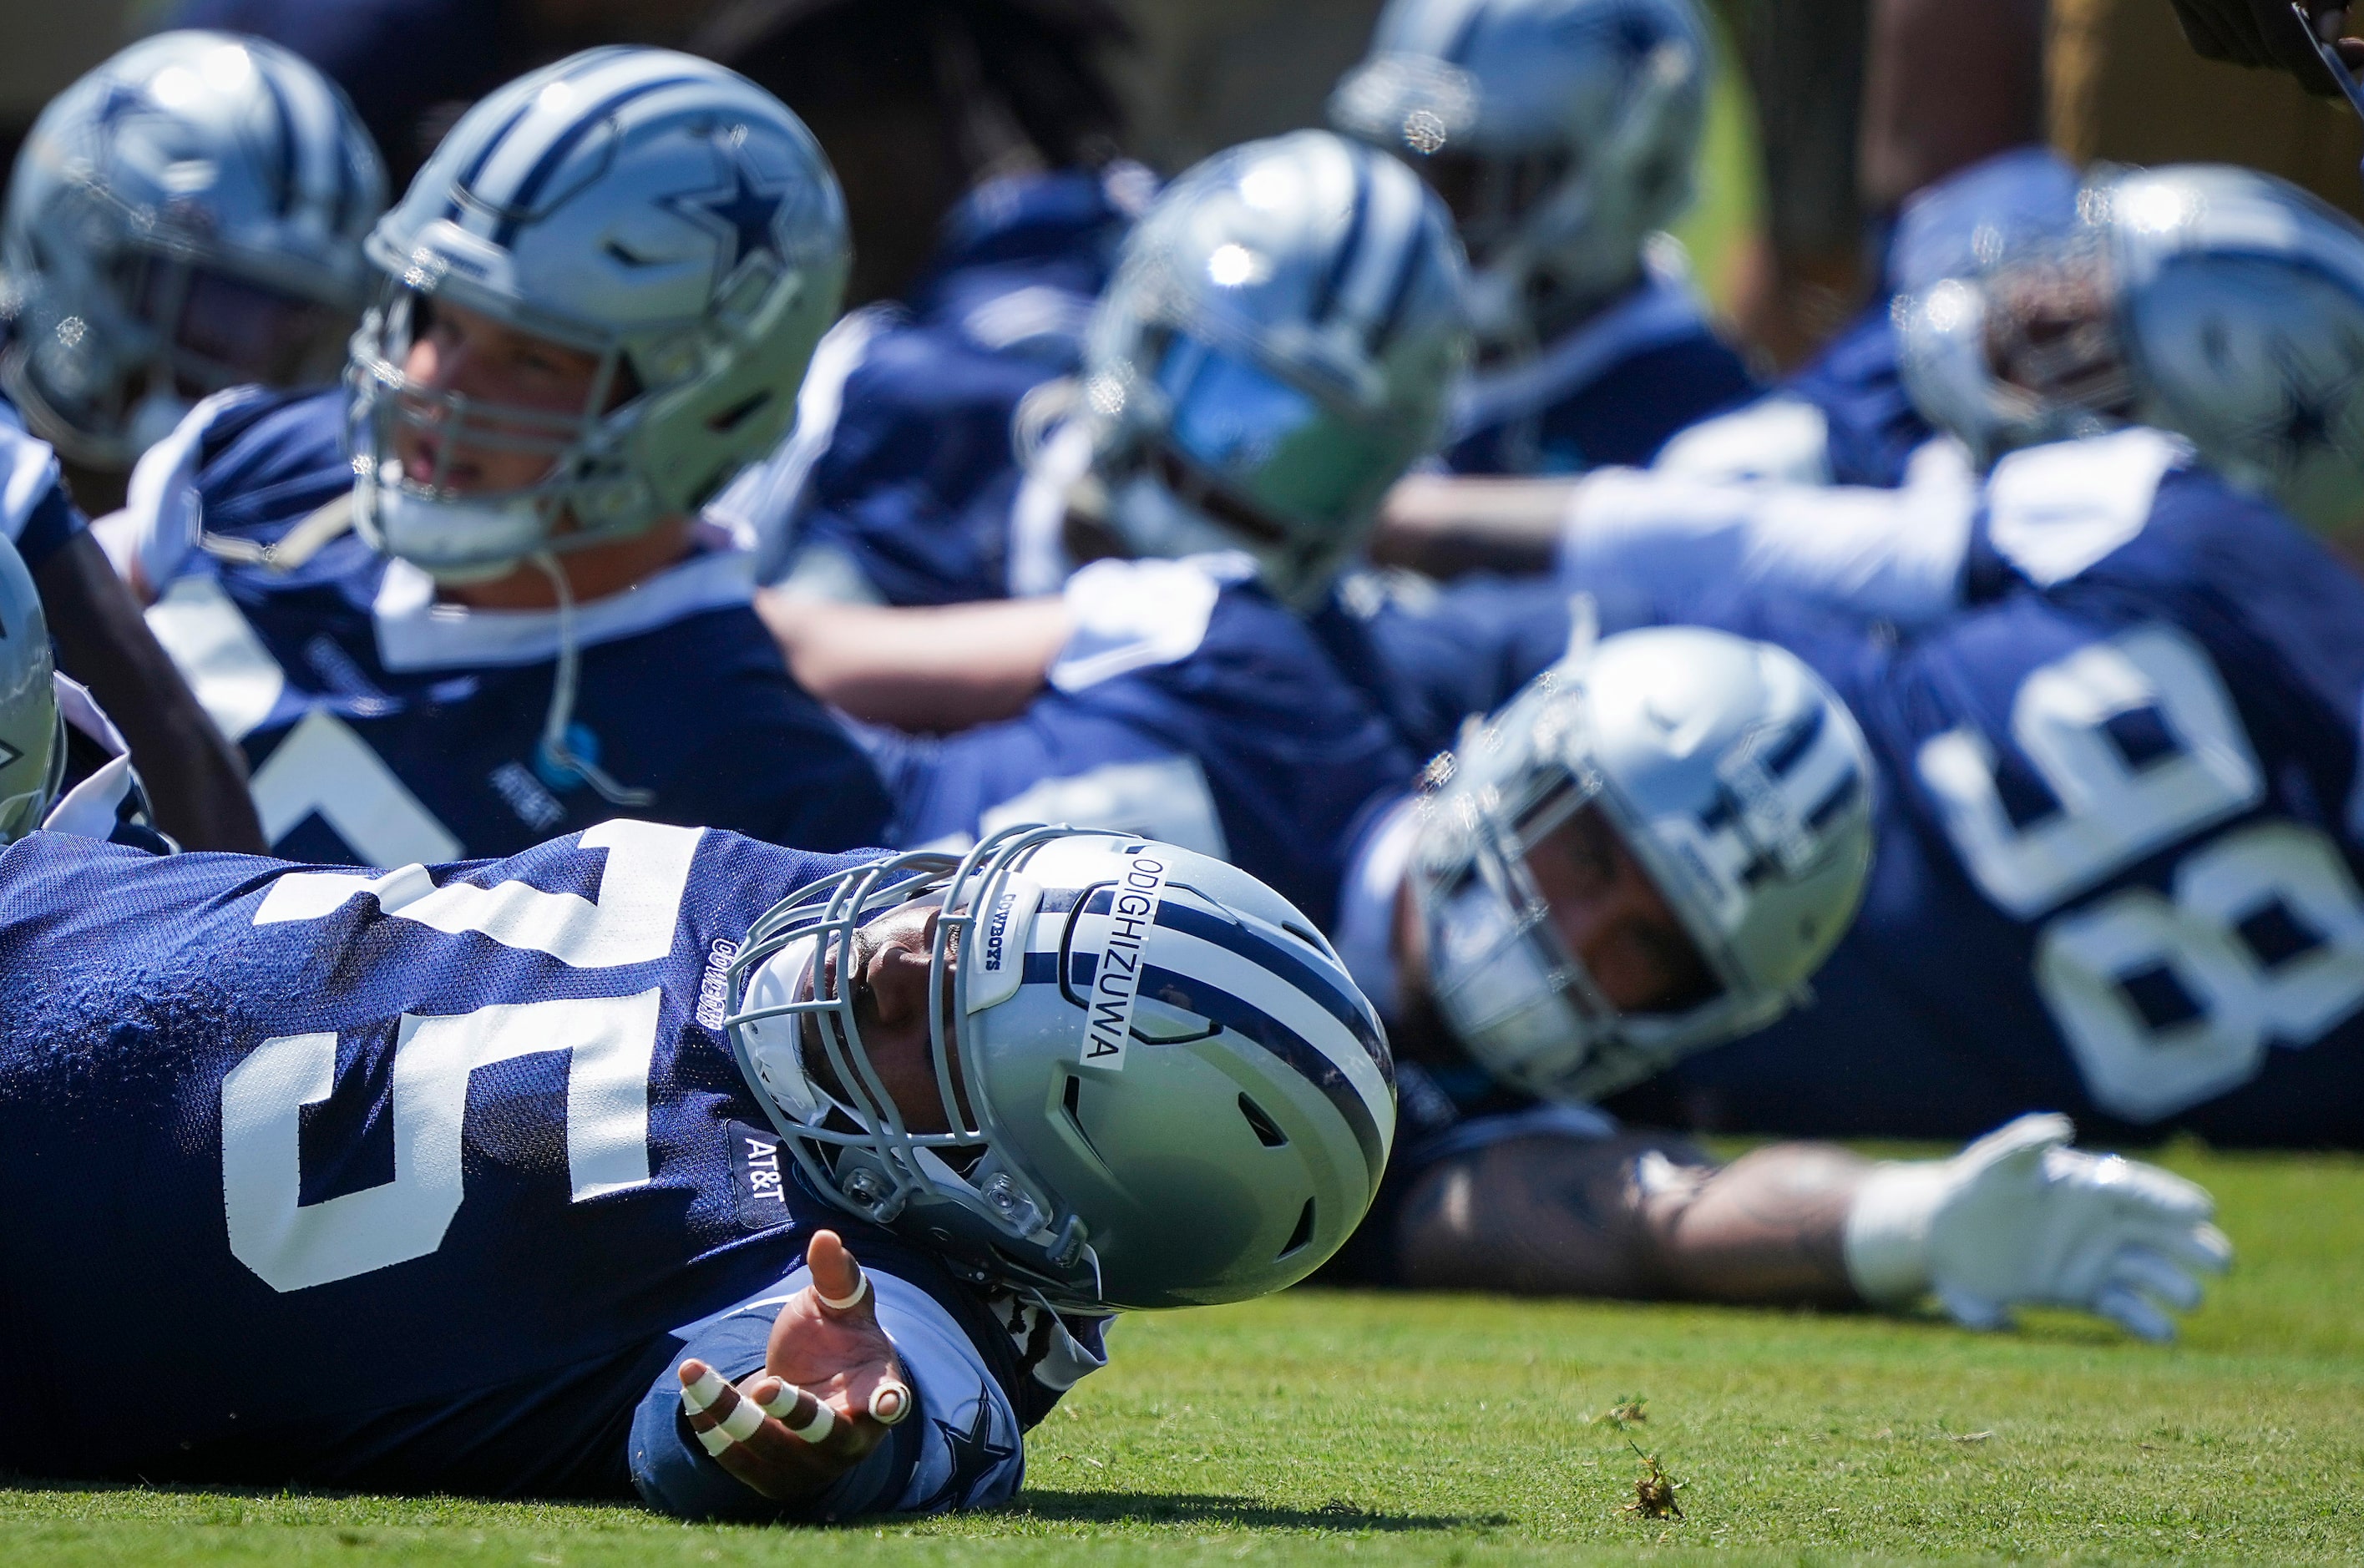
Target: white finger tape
x: 890, y: 1403
x: 698, y: 1396
x: 825, y: 1422
x: 861, y: 1289
x: 743, y: 1422
x: 714, y: 1440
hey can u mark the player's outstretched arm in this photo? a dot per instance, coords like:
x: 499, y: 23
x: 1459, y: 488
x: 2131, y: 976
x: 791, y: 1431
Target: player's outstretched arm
x: 927, y: 670
x: 1449, y: 526
x: 2021, y: 1219
x: 809, y: 1405
x: 830, y: 1387
x: 2017, y: 1218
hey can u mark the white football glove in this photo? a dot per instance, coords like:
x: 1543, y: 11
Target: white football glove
x: 2020, y: 1219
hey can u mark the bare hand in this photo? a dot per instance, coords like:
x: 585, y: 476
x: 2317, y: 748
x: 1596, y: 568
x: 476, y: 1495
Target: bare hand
x: 829, y: 1388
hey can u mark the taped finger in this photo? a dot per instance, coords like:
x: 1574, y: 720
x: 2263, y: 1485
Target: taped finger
x: 890, y: 1403
x: 808, y: 1419
x: 860, y: 1293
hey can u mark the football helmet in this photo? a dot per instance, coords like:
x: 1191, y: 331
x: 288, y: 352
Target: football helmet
x: 32, y: 731
x: 1162, y: 1087
x: 1741, y: 785
x: 1273, y: 353
x: 1562, y: 132
x: 2218, y: 303
x: 186, y: 217
x: 652, y: 209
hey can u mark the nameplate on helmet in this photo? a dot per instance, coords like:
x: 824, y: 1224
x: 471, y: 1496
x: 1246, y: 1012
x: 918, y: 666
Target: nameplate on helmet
x: 1123, y: 944
x: 996, y: 961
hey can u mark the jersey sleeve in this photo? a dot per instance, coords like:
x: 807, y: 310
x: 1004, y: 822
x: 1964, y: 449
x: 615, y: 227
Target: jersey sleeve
x: 1651, y: 545
x: 36, y: 512
x: 960, y: 1447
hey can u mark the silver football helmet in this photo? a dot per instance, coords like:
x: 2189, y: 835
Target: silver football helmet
x: 2218, y: 303
x: 186, y: 217
x: 1740, y: 785
x: 1561, y: 132
x: 32, y: 733
x: 1162, y: 1087
x: 1273, y: 353
x: 653, y: 210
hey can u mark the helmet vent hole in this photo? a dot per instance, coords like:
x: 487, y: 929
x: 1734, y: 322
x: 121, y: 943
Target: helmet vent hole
x: 738, y: 414
x: 1304, y: 1231
x: 1268, y: 1131
x: 1072, y: 1102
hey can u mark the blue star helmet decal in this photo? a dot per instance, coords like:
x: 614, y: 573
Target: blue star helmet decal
x: 742, y: 209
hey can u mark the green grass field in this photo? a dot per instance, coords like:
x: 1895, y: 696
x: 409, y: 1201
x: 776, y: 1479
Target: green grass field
x: 1465, y: 1430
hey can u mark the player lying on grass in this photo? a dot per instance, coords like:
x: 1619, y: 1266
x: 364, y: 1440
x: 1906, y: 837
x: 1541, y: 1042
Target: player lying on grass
x: 548, y: 1175
x: 1646, y: 855
x: 1130, y: 748
x: 448, y: 609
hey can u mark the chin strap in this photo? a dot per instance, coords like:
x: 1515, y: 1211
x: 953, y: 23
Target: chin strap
x: 555, y: 751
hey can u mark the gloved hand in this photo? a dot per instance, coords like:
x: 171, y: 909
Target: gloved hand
x: 2019, y: 1217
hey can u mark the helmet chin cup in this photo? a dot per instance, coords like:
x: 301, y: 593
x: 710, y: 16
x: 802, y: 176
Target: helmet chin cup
x: 456, y: 542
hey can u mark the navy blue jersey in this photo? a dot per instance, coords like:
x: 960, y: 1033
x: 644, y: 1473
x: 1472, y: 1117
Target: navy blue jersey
x: 914, y: 489
x: 1022, y: 259
x: 383, y: 725
x: 428, y: 1181
x: 1432, y: 655
x: 2119, y: 836
x: 1612, y: 391
x: 1189, y: 705
x: 36, y: 513
x: 898, y: 483
x: 1870, y: 428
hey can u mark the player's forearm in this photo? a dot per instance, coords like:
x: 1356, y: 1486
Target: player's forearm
x: 196, y: 779
x: 1769, y: 1228
x: 1449, y: 527
x: 933, y: 671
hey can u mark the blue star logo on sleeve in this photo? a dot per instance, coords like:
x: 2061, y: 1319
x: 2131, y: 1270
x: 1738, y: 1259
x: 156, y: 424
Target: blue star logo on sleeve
x: 974, y: 1454
x: 742, y: 211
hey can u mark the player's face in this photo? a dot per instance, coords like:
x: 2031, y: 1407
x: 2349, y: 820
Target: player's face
x: 1614, y: 920
x: 2051, y: 331
x: 890, y: 1009
x: 494, y: 366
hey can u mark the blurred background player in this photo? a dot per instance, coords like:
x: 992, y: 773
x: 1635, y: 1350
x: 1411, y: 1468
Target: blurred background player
x: 657, y: 1193
x: 465, y: 603
x: 1563, y: 134
x: 1646, y: 854
x: 2115, y: 705
x: 1272, y: 355
x: 185, y: 217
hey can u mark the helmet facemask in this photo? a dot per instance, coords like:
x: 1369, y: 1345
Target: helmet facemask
x: 587, y: 495
x: 2029, y: 352
x: 1218, y: 450
x: 794, y: 1030
x: 1501, y: 970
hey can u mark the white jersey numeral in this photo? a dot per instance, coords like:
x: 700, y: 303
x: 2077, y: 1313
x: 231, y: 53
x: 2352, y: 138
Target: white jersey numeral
x: 291, y: 1245
x: 2084, y: 962
x: 323, y: 768
x: 633, y: 922
x: 2113, y: 812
